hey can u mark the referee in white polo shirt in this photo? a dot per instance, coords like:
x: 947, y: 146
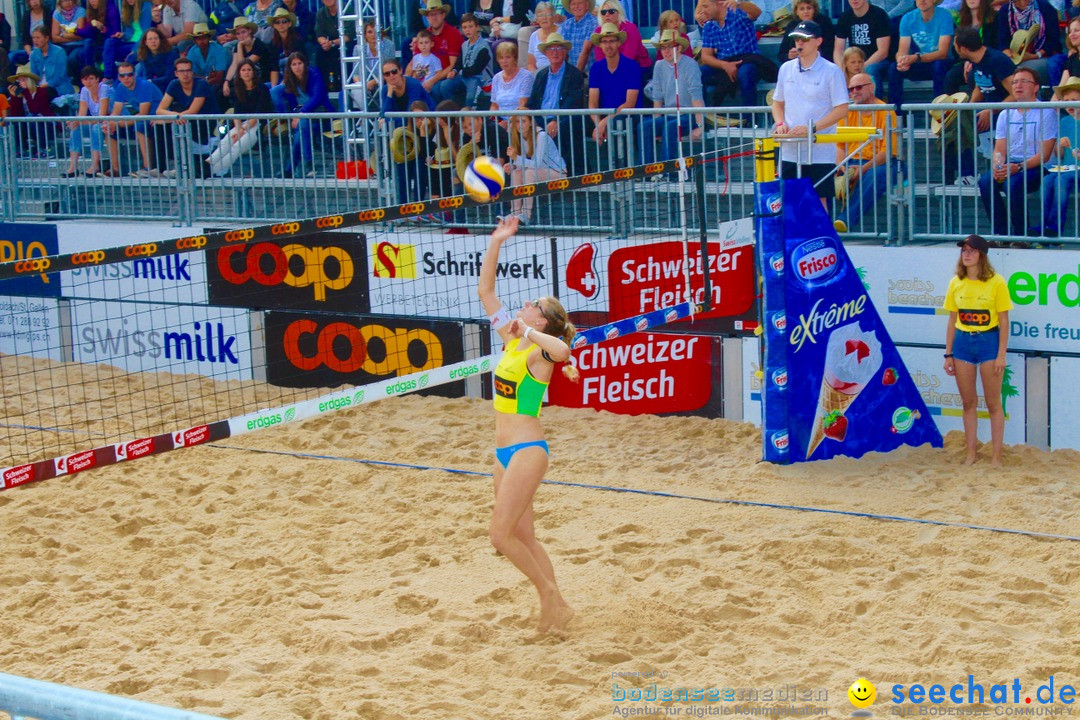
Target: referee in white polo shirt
x: 809, y: 89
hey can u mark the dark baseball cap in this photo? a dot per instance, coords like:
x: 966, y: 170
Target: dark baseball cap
x: 806, y: 29
x: 975, y: 242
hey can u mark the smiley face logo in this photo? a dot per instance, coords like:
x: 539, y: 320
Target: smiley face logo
x: 862, y: 693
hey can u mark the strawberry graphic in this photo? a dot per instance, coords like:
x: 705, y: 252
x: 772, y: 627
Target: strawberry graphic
x: 836, y: 426
x: 889, y: 377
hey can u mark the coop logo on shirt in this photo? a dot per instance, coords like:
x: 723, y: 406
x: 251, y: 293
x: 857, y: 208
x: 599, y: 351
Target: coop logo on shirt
x: 394, y: 261
x: 974, y: 318
x: 816, y: 261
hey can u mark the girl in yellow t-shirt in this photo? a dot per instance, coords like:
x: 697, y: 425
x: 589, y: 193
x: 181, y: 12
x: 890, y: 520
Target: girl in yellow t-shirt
x: 975, y: 342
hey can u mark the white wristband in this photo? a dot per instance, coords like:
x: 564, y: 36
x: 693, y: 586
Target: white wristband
x: 528, y: 330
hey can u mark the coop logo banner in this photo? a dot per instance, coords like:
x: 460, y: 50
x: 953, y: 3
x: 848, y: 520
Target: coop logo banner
x: 325, y: 271
x: 641, y: 373
x: 330, y: 350
x: 846, y: 388
x: 28, y: 242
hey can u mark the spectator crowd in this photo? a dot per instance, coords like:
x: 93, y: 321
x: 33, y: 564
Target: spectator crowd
x: 135, y: 60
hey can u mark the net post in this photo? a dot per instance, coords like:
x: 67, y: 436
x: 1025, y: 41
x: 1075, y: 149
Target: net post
x: 699, y: 191
x: 765, y: 160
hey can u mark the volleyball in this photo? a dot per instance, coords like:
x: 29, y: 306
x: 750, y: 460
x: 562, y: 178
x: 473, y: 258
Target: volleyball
x: 484, y: 179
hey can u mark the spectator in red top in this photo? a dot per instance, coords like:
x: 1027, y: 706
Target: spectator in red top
x: 30, y: 100
x: 611, y: 11
x: 447, y: 38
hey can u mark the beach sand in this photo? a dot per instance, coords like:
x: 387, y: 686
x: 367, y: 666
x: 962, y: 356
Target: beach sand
x: 238, y: 581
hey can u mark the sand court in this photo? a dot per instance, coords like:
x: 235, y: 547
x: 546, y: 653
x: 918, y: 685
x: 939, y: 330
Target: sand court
x: 266, y: 585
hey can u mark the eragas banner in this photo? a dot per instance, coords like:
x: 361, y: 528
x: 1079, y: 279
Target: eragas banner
x: 642, y: 373
x: 833, y: 382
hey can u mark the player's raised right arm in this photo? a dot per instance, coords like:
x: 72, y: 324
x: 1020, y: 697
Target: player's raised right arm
x: 485, y: 288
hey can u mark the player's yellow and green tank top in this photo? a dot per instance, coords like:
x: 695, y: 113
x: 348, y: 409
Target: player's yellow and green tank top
x: 517, y: 392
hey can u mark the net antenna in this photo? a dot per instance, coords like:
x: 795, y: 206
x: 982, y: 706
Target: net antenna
x: 681, y: 162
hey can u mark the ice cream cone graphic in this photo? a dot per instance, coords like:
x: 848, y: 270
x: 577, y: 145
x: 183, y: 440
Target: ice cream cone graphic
x: 852, y: 358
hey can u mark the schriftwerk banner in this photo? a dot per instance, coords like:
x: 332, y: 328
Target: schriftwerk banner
x: 834, y: 383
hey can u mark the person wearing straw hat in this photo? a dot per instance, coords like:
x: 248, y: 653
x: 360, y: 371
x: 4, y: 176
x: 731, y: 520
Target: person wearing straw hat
x: 445, y: 40
x: 922, y: 52
x: 1024, y: 141
x: 249, y: 47
x: 561, y: 86
x: 809, y: 89
x: 30, y: 100
x: 672, y: 20
x: 673, y: 86
x: 1060, y: 186
x: 1043, y: 39
x: 209, y: 59
x: 285, y: 39
x: 614, y: 83
x: 873, y: 167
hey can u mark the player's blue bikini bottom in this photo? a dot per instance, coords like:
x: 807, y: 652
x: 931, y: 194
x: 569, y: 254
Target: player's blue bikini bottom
x: 504, y: 454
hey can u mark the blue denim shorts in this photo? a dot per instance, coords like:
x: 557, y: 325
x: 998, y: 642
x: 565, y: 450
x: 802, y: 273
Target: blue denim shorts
x: 976, y: 347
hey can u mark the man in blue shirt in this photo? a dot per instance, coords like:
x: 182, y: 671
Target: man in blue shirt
x: 132, y: 97
x: 991, y: 69
x: 208, y: 59
x: 187, y: 96
x: 561, y: 86
x: 923, y: 50
x: 729, y: 50
x: 49, y: 62
x: 614, y: 83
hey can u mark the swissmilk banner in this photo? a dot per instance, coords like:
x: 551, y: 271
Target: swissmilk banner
x: 834, y: 383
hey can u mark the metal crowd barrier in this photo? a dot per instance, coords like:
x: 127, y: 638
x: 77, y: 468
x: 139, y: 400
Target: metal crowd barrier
x: 25, y: 698
x: 952, y: 184
x: 324, y: 166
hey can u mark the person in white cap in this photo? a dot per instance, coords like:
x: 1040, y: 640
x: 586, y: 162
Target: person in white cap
x: 809, y: 89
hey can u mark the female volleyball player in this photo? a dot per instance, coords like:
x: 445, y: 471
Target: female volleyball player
x: 537, y: 338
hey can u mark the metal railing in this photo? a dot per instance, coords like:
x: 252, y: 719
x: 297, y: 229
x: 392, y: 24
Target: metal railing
x: 953, y: 185
x: 278, y: 171
x: 25, y: 698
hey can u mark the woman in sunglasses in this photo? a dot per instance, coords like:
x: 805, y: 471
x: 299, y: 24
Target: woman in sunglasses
x: 611, y: 11
x: 536, y: 337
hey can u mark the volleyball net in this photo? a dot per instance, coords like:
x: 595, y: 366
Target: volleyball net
x: 111, y: 352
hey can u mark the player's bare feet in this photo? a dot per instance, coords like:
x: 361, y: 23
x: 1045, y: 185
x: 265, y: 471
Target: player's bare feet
x: 970, y: 458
